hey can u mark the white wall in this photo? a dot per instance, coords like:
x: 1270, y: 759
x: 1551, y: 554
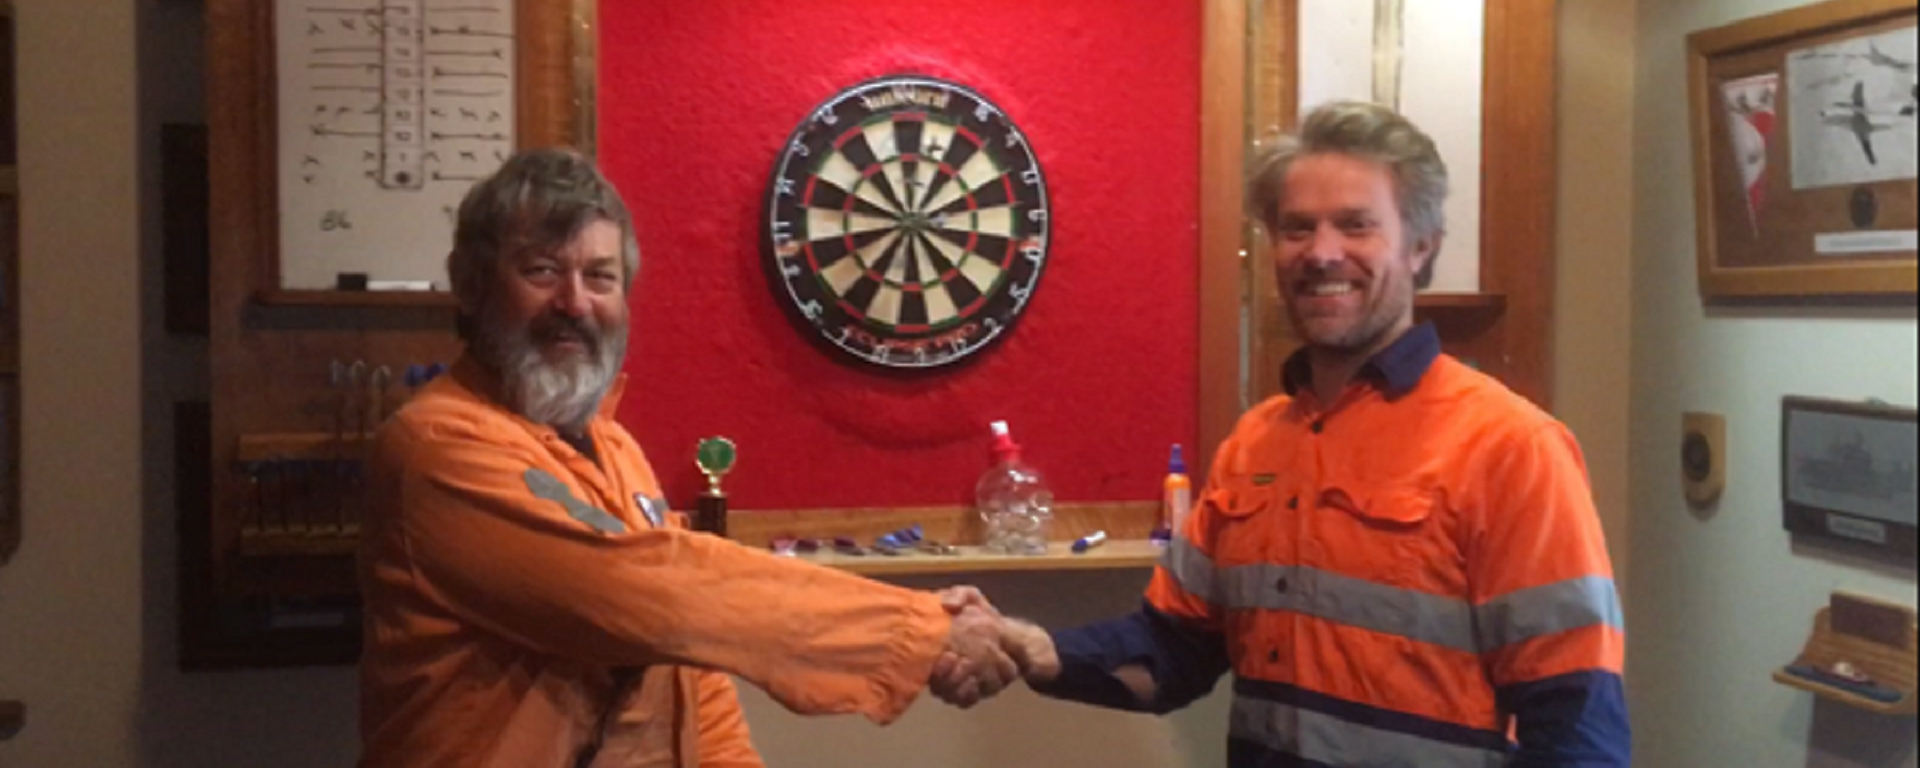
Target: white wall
x: 1718, y: 601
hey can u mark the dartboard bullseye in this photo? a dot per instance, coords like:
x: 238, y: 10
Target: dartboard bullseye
x: 907, y: 223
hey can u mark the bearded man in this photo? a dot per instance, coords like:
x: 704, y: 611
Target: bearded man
x: 530, y: 603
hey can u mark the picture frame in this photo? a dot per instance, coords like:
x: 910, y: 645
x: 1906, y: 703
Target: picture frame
x: 1848, y: 472
x: 1803, y: 127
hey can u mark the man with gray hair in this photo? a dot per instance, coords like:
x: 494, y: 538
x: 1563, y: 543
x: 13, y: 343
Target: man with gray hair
x: 531, y: 602
x: 1398, y: 558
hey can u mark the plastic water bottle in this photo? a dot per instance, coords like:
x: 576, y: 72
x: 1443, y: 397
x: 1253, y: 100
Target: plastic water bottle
x: 1013, y: 500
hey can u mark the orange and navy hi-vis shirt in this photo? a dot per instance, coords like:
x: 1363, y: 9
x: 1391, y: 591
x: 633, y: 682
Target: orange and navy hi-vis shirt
x: 530, y: 607
x: 1411, y: 576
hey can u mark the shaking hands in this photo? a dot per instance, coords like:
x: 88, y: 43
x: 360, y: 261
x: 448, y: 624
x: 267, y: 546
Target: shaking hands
x: 986, y: 652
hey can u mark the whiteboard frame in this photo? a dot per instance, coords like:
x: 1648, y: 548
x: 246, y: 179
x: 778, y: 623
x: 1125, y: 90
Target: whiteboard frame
x: 555, y: 73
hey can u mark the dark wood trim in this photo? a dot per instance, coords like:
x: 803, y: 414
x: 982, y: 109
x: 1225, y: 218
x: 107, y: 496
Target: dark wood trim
x: 1517, y: 204
x: 1223, y: 142
x: 544, y: 91
x: 10, y: 504
x: 184, y: 246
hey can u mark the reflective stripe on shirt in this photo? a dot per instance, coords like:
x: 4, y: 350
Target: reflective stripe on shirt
x: 1324, y: 738
x: 1443, y: 621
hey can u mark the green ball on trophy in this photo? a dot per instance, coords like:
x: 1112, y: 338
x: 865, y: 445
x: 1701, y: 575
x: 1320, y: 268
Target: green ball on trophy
x: 715, y: 457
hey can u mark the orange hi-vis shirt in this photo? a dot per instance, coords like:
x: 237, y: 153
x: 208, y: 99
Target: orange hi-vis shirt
x: 1385, y: 567
x: 523, y: 603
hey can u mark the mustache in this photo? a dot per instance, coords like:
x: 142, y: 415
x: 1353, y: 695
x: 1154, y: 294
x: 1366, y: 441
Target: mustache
x: 1334, y: 271
x: 554, y: 326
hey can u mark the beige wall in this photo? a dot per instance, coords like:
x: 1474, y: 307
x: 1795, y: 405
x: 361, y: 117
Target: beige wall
x: 70, y: 635
x: 1594, y: 230
x: 1017, y: 730
x: 87, y: 615
x: 1719, y: 600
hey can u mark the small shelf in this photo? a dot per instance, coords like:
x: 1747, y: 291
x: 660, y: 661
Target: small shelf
x: 319, y: 298
x: 1905, y: 706
x: 1114, y: 555
x: 301, y: 446
x: 1888, y: 657
x: 1461, y: 301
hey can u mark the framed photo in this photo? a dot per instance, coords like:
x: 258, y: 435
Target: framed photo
x: 1847, y: 473
x: 1804, y: 153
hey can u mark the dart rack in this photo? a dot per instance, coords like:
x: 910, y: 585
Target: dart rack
x: 271, y: 466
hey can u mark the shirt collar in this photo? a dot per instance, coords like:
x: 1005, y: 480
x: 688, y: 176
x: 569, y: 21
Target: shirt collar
x: 1397, y: 369
x: 610, y: 404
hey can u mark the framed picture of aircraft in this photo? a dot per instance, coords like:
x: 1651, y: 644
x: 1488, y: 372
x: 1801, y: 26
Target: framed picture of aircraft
x: 1804, y: 152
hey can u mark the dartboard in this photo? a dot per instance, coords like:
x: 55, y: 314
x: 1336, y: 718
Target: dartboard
x: 906, y: 223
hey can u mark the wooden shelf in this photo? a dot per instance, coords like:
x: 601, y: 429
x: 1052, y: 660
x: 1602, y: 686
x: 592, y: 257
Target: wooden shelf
x: 325, y: 543
x: 301, y: 446
x: 317, y: 298
x: 1114, y: 555
x: 1481, y: 301
x: 1121, y: 520
x: 1888, y: 657
x: 1905, y: 706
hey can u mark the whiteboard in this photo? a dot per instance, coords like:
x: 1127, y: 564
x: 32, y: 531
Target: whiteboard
x: 1426, y: 58
x: 389, y: 111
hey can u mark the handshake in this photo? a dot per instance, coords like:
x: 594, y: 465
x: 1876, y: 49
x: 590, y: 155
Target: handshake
x: 985, y: 651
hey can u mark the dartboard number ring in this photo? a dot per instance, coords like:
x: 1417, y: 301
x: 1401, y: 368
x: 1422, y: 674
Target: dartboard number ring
x: 907, y: 223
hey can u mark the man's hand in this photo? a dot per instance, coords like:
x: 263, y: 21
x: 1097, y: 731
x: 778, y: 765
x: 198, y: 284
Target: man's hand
x: 1032, y: 650
x: 974, y: 666
x: 956, y: 599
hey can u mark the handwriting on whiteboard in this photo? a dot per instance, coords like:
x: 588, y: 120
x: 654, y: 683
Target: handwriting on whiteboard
x: 389, y: 110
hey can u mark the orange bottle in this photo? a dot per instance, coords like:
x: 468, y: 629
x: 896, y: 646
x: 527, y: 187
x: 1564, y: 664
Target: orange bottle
x: 1176, y: 498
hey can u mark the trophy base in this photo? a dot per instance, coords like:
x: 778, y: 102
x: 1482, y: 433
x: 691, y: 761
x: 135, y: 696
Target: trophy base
x: 711, y: 515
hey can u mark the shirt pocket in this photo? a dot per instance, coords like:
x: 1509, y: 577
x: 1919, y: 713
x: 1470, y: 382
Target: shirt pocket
x: 1238, y: 527
x: 1238, y: 498
x: 1377, y: 535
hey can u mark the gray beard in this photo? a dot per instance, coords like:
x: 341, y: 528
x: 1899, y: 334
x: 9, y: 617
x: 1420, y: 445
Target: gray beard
x: 565, y: 395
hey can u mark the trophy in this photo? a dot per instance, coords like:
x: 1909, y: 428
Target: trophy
x: 715, y: 458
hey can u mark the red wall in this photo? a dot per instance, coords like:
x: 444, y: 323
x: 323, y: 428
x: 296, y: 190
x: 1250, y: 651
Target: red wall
x: 1097, y: 377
